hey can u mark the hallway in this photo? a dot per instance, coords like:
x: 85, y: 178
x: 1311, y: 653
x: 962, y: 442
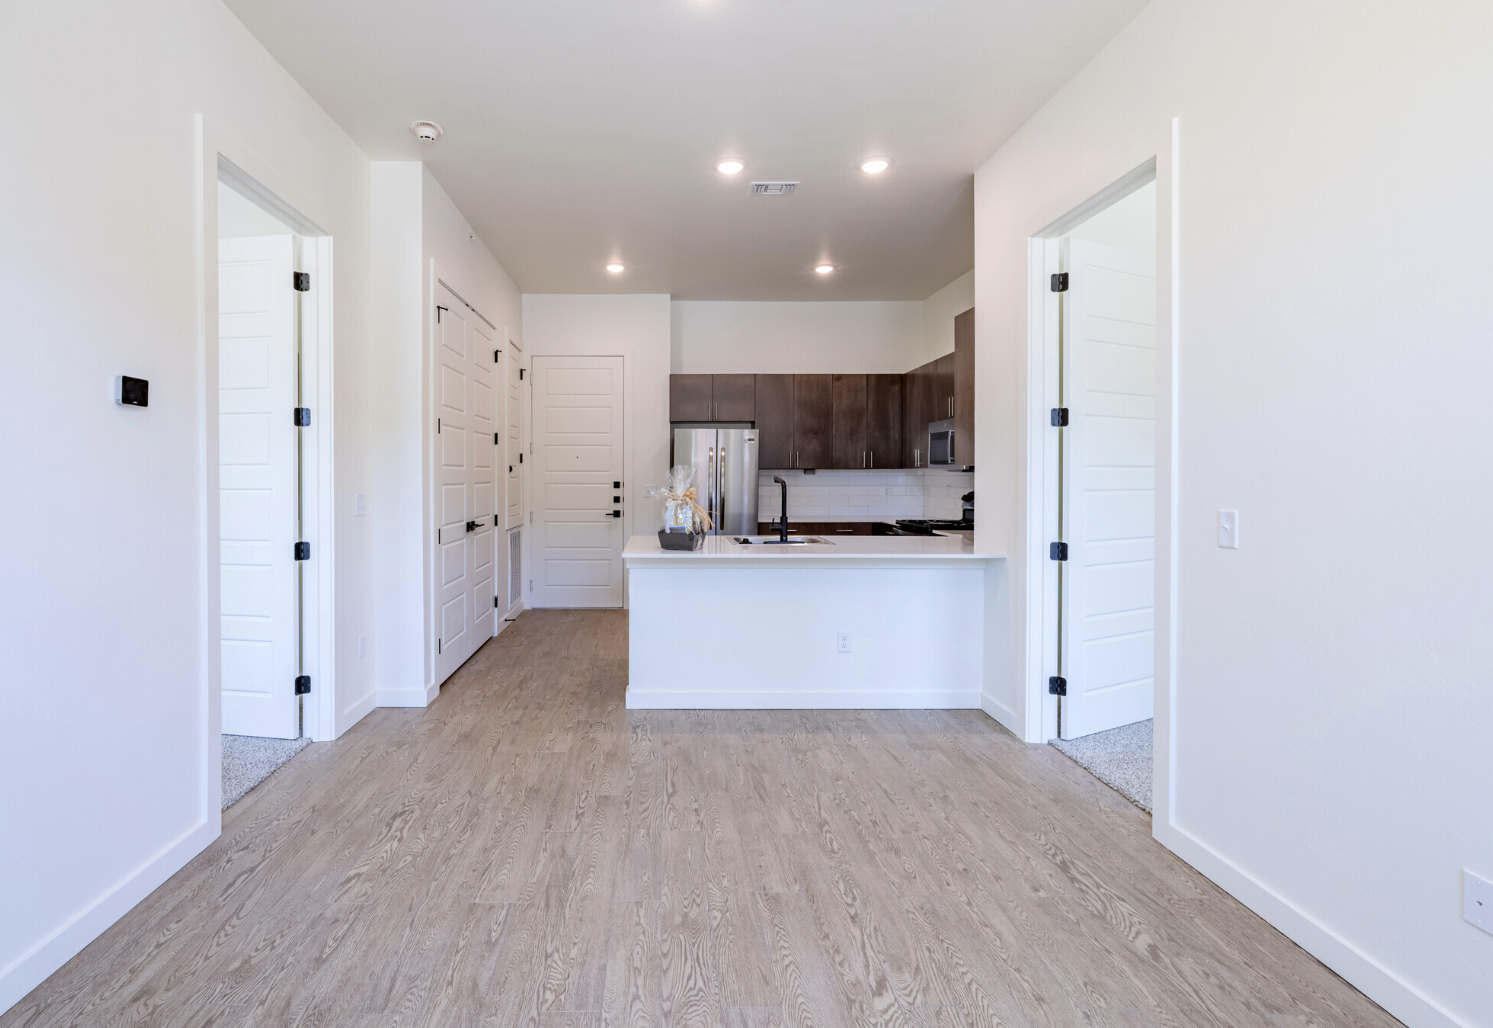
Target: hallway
x: 526, y: 851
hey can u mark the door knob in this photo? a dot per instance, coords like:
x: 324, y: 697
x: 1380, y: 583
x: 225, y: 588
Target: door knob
x: 472, y: 526
x: 615, y: 514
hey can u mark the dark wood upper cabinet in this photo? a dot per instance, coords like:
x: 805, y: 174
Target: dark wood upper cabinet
x: 884, y: 421
x: 735, y: 397
x: 813, y: 421
x: 964, y: 387
x: 920, y: 398
x: 690, y: 398
x: 774, y: 416
x: 849, y: 418
x: 943, y: 395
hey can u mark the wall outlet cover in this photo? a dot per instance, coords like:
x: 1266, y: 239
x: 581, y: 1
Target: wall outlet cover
x: 362, y: 646
x: 842, y: 642
x: 1477, y: 900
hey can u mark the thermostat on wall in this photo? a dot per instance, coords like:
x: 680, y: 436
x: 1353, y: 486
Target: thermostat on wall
x: 131, y: 392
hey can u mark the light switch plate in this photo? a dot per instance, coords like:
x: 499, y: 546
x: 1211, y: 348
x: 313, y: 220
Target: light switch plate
x: 362, y: 504
x: 650, y: 491
x: 1228, y: 529
x: 1477, y: 901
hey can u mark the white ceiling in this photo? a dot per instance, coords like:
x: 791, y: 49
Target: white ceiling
x: 579, y: 131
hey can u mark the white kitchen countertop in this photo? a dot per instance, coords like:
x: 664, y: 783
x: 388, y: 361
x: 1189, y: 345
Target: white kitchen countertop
x: 857, y: 550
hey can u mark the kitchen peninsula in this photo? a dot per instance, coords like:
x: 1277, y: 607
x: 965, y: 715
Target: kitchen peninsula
x: 848, y: 622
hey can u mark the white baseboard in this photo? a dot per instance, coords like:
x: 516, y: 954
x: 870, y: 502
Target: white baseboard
x: 38, y: 963
x: 691, y: 699
x: 1356, y: 967
x: 1002, y: 713
x: 407, y: 697
x: 357, y: 713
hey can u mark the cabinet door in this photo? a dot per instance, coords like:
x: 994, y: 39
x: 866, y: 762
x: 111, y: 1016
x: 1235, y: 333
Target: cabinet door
x: 813, y: 420
x: 884, y: 421
x: 920, y: 410
x: 848, y: 402
x: 774, y: 416
x: 689, y: 398
x: 964, y: 387
x: 735, y: 397
x: 943, y: 396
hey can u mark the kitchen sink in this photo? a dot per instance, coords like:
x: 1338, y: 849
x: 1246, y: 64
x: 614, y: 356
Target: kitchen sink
x: 774, y: 540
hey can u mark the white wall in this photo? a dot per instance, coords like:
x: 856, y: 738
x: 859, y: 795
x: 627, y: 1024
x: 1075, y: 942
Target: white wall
x: 110, y: 566
x: 939, y: 311
x: 1332, y: 697
x: 636, y: 326
x: 805, y: 338
x: 1129, y: 223
x: 418, y: 232
x: 239, y: 218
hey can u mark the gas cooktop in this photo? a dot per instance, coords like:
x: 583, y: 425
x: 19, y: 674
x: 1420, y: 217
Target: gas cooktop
x: 927, y: 526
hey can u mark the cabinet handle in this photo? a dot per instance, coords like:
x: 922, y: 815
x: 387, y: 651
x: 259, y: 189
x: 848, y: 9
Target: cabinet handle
x: 873, y: 458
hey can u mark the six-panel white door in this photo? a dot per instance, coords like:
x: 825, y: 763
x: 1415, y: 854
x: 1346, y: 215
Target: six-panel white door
x: 577, y: 405
x: 257, y: 485
x: 465, y: 483
x: 1109, y: 487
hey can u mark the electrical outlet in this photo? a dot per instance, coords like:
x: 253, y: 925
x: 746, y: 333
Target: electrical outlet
x: 1228, y: 529
x: 842, y: 642
x: 362, y: 646
x: 1477, y: 901
x: 650, y: 491
x: 362, y: 504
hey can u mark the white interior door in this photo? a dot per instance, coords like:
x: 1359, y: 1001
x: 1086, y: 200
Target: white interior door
x: 465, y: 485
x: 257, y: 485
x: 577, y: 406
x: 1109, y: 487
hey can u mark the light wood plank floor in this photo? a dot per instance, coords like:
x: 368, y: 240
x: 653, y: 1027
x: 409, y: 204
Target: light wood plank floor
x: 527, y: 852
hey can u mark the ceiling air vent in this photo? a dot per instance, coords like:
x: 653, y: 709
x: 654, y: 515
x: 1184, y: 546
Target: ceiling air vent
x: 774, y: 188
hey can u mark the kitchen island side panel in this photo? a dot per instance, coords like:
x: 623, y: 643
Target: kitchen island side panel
x: 756, y: 638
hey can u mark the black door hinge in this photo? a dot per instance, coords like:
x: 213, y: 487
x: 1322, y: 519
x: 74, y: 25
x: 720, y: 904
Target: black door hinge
x: 438, y: 309
x: 1057, y: 686
x: 495, y: 439
x: 437, y: 426
x: 520, y: 458
x: 495, y: 355
x: 1060, y: 282
x: 302, y: 684
x: 494, y: 601
x: 520, y: 374
x: 302, y: 417
x: 302, y: 281
x: 1058, y: 551
x: 1059, y: 417
x: 302, y: 551
x: 438, y: 646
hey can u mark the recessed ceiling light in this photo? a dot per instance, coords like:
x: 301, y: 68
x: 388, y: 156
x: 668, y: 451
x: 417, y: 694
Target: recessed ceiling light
x: 730, y: 166
x: 824, y: 269
x: 875, y: 165
x: 615, y: 268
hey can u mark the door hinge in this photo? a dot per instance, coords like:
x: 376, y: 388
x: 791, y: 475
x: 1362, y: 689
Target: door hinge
x: 302, y: 417
x: 520, y: 374
x: 302, y: 281
x: 438, y: 537
x: 438, y: 646
x: 495, y: 439
x: 1057, y: 686
x: 1060, y: 282
x: 437, y: 426
x: 438, y: 309
x: 302, y: 684
x: 1059, y: 417
x: 302, y: 551
x: 495, y: 355
x: 495, y: 601
x: 520, y: 458
x: 1058, y: 551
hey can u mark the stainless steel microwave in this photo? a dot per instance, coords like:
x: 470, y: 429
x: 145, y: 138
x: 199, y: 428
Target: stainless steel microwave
x: 941, y: 453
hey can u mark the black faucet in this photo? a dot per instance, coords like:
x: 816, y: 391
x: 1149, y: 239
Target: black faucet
x: 783, y: 523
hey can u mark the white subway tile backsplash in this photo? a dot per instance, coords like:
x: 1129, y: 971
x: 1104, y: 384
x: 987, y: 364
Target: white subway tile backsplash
x: 866, y: 495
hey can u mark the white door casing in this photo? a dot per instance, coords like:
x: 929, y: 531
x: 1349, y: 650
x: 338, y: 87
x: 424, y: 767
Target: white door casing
x: 578, y: 456
x: 257, y: 486
x: 513, y: 450
x: 464, y: 489
x: 1109, y: 487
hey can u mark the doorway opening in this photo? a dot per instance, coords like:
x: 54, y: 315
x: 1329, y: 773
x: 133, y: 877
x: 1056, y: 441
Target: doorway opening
x: 1102, y: 474
x: 268, y: 542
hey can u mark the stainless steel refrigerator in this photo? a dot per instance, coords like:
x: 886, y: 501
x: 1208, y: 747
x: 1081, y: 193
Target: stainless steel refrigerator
x: 724, y: 461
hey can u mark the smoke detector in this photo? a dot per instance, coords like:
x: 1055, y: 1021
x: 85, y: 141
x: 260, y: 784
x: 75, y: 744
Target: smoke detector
x: 426, y: 131
x: 773, y: 188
